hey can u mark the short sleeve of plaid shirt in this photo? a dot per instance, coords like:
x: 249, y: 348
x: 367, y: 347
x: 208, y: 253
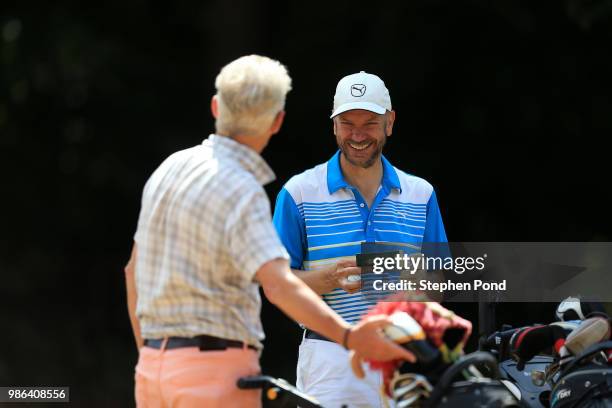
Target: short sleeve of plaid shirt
x: 252, y: 239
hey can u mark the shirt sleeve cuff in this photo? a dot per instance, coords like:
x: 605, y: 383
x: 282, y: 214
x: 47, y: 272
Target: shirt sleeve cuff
x: 253, y: 264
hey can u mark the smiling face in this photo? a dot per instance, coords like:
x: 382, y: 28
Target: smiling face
x: 361, y: 135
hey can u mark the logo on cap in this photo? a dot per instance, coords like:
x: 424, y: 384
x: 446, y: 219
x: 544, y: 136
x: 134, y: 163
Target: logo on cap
x: 358, y: 89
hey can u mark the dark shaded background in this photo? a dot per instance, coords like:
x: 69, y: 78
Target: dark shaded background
x: 504, y: 106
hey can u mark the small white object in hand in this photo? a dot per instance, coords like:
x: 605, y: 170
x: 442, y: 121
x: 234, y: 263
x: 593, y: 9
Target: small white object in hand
x: 353, y: 278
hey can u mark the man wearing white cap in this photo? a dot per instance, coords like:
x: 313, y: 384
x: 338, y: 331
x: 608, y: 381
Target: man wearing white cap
x: 324, y: 215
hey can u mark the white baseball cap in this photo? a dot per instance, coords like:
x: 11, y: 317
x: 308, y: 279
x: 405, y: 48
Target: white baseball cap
x: 361, y: 91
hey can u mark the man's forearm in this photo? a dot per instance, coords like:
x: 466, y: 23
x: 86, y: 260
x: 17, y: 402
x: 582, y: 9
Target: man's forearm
x: 317, y: 280
x: 290, y: 294
x: 130, y: 285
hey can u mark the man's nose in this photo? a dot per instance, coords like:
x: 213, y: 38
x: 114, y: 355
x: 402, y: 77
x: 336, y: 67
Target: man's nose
x: 358, y: 135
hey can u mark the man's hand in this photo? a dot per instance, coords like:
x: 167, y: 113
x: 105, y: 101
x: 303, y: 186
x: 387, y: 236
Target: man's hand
x: 367, y: 341
x: 337, y: 276
x: 325, y: 280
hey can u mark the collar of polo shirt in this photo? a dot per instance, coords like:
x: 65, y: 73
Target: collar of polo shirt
x: 336, y: 181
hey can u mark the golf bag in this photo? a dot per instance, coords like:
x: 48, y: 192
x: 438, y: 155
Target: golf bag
x: 481, y: 390
x: 586, y: 382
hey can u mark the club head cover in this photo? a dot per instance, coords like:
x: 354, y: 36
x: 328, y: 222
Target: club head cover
x: 421, y: 327
x: 563, y: 330
x: 590, y: 331
x: 573, y: 308
x: 499, y: 340
x: 404, y: 330
x: 529, y: 341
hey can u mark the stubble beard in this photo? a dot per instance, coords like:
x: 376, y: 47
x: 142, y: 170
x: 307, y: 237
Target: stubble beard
x: 345, y: 148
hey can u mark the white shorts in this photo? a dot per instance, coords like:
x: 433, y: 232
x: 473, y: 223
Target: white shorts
x: 324, y: 372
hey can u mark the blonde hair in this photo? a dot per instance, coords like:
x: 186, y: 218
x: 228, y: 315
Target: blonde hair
x: 251, y: 91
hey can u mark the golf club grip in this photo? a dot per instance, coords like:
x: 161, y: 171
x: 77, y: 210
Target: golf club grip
x: 249, y: 383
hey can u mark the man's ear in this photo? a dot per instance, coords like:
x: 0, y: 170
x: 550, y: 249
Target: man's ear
x: 390, y: 121
x: 278, y: 122
x: 214, y: 107
x: 334, y: 122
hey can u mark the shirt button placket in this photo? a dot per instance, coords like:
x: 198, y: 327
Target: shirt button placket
x: 364, y: 217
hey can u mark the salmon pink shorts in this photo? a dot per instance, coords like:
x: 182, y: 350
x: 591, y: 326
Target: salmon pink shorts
x: 188, y: 377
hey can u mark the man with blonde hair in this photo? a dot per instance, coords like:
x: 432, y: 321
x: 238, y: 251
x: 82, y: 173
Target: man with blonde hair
x: 205, y: 241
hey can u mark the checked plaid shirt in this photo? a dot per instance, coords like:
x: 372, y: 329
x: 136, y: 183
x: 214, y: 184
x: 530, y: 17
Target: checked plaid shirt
x: 204, y: 230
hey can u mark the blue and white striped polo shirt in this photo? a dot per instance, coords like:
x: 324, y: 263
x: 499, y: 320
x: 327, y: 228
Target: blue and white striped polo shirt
x: 321, y: 219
